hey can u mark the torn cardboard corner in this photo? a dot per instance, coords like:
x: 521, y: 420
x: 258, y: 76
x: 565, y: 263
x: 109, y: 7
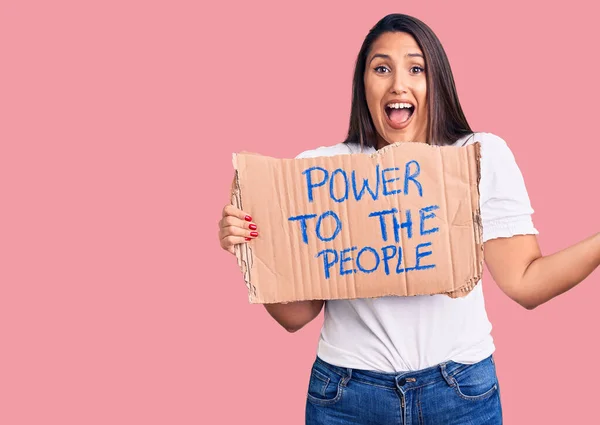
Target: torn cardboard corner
x: 403, y: 221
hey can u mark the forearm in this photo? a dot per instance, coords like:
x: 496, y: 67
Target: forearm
x: 293, y: 316
x: 549, y: 276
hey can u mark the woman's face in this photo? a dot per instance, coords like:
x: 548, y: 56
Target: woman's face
x: 396, y: 89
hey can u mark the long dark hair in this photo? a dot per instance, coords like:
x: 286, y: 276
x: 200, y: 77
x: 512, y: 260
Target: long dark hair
x: 447, y: 122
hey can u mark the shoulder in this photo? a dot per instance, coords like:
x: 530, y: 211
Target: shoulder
x: 487, y: 140
x: 494, y: 149
x: 337, y: 149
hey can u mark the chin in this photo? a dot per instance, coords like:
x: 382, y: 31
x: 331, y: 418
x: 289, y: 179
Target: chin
x: 400, y: 138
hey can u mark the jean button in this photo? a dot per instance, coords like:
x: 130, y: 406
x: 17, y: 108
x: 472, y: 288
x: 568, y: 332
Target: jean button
x: 402, y: 381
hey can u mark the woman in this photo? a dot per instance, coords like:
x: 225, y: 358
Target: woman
x: 424, y: 359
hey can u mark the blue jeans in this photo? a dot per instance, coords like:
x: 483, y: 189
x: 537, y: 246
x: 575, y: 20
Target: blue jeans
x: 447, y: 394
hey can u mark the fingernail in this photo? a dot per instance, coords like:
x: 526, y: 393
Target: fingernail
x: 248, y: 239
x: 254, y: 234
x: 248, y: 218
x: 252, y: 227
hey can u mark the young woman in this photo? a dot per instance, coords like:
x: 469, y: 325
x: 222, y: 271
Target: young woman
x: 423, y: 359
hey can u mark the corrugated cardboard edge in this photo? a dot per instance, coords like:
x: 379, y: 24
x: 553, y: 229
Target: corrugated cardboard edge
x: 243, y: 252
x: 478, y: 230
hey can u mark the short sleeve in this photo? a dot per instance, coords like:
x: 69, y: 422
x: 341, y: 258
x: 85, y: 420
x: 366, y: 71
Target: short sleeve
x: 338, y: 149
x: 504, y: 202
x: 305, y: 154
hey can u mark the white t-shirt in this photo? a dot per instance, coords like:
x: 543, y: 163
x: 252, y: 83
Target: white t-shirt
x: 394, y: 334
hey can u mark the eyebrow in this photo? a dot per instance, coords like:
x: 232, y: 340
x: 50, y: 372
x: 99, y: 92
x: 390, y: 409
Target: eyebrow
x: 410, y: 55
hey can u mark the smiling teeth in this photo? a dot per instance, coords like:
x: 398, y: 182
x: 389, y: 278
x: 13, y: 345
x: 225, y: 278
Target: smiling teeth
x: 399, y: 105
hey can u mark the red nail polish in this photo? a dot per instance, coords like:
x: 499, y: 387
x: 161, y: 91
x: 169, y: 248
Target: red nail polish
x: 248, y: 218
x: 248, y: 239
x: 252, y: 227
x: 254, y: 234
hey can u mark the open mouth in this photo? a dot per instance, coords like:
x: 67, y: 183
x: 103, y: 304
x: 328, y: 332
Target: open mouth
x: 399, y: 114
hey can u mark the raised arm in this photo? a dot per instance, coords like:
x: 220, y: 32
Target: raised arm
x: 530, y: 279
x: 511, y: 249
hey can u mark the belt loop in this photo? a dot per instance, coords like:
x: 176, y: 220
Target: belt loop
x: 347, y: 378
x: 449, y: 380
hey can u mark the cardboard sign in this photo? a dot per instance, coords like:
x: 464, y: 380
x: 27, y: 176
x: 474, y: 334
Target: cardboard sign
x: 402, y: 221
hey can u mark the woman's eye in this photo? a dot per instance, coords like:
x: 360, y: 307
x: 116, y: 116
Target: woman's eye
x: 418, y: 69
x: 381, y: 69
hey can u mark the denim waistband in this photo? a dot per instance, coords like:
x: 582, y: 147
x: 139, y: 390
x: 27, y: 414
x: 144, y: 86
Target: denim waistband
x: 409, y: 379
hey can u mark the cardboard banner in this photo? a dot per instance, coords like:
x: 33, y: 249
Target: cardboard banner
x: 402, y: 221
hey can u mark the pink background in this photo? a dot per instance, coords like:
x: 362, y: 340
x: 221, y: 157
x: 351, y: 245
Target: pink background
x: 117, y: 123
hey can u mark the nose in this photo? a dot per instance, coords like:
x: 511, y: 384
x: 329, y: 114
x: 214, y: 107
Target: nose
x: 399, y: 84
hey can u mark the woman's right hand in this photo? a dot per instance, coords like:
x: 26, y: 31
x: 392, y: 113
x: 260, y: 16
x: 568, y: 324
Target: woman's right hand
x: 235, y: 227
